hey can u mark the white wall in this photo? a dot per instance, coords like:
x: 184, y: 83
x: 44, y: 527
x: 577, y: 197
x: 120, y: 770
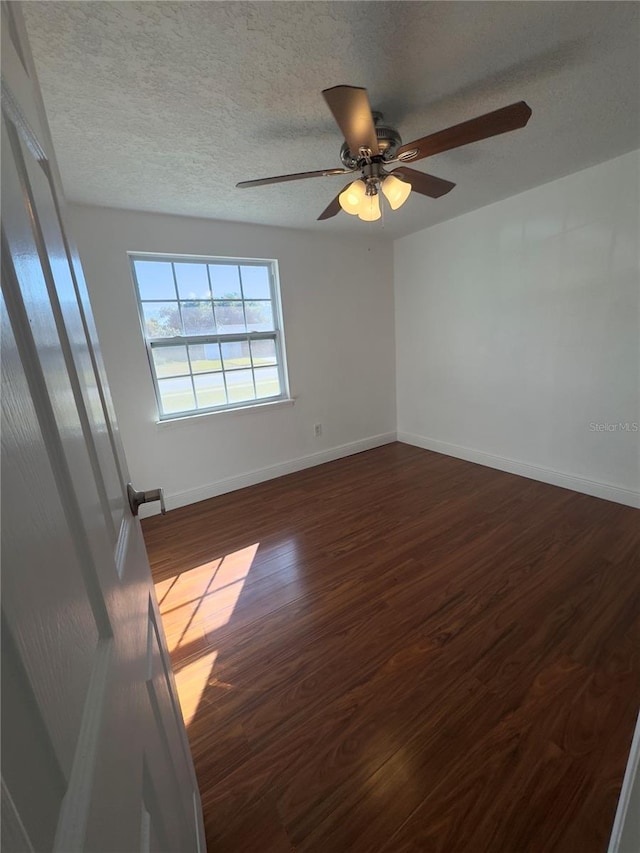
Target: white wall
x: 518, y: 326
x: 337, y: 296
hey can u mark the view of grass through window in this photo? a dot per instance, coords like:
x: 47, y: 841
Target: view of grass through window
x: 212, y: 332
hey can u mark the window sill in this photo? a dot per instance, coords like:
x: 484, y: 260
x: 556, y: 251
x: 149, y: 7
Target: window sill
x: 240, y: 410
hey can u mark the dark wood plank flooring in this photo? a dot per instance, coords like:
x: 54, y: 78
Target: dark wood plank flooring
x: 401, y: 651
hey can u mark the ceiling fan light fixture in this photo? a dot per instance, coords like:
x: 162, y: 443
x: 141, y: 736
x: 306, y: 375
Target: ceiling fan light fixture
x: 396, y: 191
x: 370, y: 208
x: 369, y: 146
x: 353, y: 197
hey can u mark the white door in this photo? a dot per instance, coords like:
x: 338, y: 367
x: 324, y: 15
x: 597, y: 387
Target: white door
x: 94, y: 751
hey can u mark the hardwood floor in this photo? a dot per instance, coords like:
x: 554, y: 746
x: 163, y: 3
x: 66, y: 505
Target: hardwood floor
x: 401, y: 651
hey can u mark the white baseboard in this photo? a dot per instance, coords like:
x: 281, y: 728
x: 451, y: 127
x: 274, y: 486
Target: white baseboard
x: 533, y: 472
x: 251, y: 478
x: 626, y: 823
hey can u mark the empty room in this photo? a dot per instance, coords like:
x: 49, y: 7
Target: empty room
x: 320, y: 427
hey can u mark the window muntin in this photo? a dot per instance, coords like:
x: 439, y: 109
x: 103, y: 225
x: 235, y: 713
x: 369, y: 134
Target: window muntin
x: 213, y: 332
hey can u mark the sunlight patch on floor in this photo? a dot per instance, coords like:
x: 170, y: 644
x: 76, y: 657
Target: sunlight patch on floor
x: 193, y: 604
x: 191, y: 682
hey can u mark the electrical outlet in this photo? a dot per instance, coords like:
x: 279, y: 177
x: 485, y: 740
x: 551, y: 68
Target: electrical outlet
x: 317, y: 430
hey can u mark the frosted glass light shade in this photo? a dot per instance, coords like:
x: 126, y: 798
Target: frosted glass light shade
x: 396, y: 191
x: 370, y: 208
x: 352, y: 197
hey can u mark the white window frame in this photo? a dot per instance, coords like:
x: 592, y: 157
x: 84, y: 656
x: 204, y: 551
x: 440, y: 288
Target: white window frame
x: 276, y: 334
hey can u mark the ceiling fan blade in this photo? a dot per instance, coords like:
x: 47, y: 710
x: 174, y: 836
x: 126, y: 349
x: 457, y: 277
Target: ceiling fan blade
x: 278, y: 179
x: 423, y: 183
x: 490, y: 124
x: 352, y: 112
x: 331, y: 209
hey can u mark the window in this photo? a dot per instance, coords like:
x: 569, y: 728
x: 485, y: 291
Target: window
x: 213, y: 332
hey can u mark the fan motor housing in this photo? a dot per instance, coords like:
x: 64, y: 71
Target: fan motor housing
x: 388, y: 143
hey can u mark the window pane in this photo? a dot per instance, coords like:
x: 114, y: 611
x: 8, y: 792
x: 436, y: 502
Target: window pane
x: 205, y: 357
x: 204, y: 304
x: 255, y: 282
x: 161, y: 319
x: 225, y: 281
x: 193, y: 282
x: 176, y: 395
x: 197, y: 318
x: 230, y: 317
x: 263, y: 352
x: 240, y: 386
x: 155, y: 280
x: 235, y: 354
x: 170, y: 361
x: 267, y: 382
x: 259, y: 316
x: 210, y: 390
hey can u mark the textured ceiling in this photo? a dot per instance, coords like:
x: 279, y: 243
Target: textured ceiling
x: 165, y: 106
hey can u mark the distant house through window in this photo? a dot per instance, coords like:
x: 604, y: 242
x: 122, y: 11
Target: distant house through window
x: 213, y: 332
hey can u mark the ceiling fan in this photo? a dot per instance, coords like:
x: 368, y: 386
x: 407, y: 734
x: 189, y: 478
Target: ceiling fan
x: 370, y: 146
